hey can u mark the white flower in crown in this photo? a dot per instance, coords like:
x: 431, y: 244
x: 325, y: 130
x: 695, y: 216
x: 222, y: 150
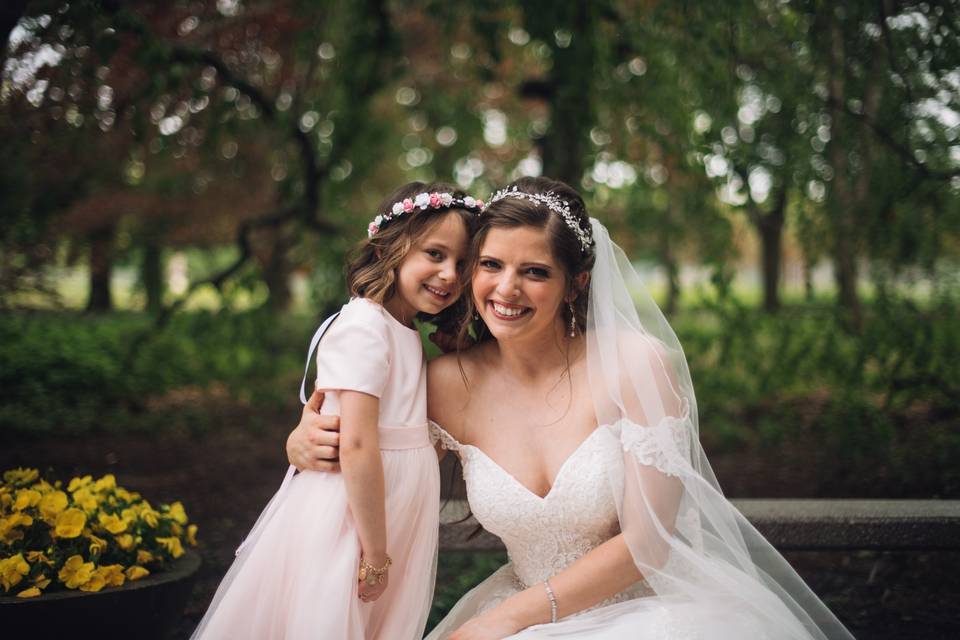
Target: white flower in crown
x: 421, y: 201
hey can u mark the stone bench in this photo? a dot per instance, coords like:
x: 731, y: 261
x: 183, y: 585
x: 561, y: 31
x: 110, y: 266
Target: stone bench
x: 793, y: 525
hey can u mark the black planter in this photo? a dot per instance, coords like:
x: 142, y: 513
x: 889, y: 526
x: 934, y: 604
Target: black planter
x: 144, y: 608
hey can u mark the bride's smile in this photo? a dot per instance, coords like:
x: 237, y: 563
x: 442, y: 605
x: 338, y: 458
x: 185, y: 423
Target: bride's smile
x: 518, y: 286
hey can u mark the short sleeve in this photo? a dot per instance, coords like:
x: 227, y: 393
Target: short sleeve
x: 354, y: 355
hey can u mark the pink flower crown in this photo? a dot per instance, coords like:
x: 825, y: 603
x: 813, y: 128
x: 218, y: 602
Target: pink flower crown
x: 423, y: 201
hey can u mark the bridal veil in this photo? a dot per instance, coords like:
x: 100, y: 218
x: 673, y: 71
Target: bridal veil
x: 685, y: 537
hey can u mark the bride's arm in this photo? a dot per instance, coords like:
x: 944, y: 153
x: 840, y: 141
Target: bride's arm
x: 602, y: 573
x: 314, y: 443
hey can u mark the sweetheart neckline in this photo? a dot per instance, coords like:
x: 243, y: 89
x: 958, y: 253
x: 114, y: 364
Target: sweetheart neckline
x: 556, y: 478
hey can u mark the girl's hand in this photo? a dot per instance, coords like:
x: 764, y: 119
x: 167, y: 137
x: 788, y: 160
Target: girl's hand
x: 370, y: 593
x: 314, y: 444
x: 486, y: 626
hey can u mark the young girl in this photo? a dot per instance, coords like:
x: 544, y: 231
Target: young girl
x: 319, y: 560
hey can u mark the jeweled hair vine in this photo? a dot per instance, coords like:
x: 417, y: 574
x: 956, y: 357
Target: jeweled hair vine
x: 554, y: 203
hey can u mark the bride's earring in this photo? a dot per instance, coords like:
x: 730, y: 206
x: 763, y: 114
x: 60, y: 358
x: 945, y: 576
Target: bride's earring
x: 573, y: 320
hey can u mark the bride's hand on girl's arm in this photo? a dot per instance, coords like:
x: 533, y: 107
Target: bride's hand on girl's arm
x: 314, y: 444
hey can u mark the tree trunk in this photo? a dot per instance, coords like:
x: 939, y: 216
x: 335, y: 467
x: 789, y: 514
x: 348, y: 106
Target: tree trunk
x: 841, y: 203
x: 673, y: 212
x: 152, y: 277
x: 570, y: 87
x: 101, y: 268
x: 276, y: 272
x: 770, y: 227
x: 809, y: 292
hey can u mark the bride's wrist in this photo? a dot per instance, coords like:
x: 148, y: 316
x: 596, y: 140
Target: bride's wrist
x: 521, y: 611
x: 505, y: 618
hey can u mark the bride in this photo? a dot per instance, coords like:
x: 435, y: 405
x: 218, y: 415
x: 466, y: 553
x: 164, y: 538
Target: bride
x: 576, y: 423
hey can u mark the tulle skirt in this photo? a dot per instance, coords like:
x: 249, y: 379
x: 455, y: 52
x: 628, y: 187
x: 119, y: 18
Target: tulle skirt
x: 296, y: 576
x: 646, y: 617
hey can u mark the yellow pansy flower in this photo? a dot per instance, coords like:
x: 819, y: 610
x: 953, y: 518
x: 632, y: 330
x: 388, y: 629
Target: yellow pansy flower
x: 52, y: 504
x: 112, y: 523
x: 94, y: 584
x: 112, y: 574
x: 70, y: 523
x: 12, y: 570
x: 135, y: 572
x: 171, y: 544
x: 41, y: 581
x: 45, y: 487
x: 39, y: 556
x: 150, y: 517
x: 32, y: 592
x: 75, y: 572
x: 105, y: 483
x: 8, y: 531
x: 97, y: 544
x: 123, y: 494
x: 85, y: 498
x: 125, y: 541
x: 20, y: 476
x: 144, y: 556
x: 76, y: 483
x: 26, y: 498
x: 192, y: 535
x: 5, y: 500
x: 177, y: 513
x: 8, y: 527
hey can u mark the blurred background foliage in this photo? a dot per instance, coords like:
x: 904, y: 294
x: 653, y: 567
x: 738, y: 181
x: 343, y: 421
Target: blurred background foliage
x: 181, y: 180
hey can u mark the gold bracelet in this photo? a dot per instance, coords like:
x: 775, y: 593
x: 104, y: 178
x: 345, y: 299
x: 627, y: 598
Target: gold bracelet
x: 371, y: 574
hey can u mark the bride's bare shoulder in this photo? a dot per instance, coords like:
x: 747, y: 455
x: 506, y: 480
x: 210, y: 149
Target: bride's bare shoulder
x: 448, y: 384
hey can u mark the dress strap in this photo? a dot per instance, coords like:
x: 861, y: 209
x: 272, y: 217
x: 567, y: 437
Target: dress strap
x: 447, y: 441
x: 318, y: 334
x: 278, y: 497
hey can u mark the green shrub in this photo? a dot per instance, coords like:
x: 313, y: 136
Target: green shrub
x: 71, y: 373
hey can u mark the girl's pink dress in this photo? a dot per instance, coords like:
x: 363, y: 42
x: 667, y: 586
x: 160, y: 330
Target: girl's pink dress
x: 295, y: 576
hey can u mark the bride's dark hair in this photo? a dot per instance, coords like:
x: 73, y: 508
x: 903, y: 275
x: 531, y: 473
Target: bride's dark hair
x: 511, y: 213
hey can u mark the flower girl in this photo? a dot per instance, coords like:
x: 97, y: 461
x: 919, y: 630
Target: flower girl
x: 319, y: 560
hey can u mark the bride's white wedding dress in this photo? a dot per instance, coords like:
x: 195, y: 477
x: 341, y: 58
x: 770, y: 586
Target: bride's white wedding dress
x: 544, y: 535
x: 708, y: 573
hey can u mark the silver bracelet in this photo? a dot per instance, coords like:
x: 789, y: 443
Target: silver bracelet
x: 553, y: 601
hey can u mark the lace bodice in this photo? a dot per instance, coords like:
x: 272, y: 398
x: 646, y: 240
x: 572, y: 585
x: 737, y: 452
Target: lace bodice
x: 544, y: 535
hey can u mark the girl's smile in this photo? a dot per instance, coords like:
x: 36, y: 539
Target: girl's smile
x: 428, y: 279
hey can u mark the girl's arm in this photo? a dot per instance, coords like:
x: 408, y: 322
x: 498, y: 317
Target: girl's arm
x: 362, y: 469
x: 601, y: 573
